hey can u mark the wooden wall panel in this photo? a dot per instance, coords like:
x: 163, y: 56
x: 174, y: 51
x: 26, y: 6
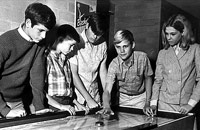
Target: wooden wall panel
x: 142, y: 18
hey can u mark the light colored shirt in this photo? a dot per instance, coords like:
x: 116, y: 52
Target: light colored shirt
x: 130, y: 76
x: 59, y: 75
x: 88, y: 60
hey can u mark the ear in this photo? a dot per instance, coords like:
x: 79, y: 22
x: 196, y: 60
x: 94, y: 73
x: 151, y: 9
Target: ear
x: 182, y: 33
x: 133, y: 46
x: 28, y: 23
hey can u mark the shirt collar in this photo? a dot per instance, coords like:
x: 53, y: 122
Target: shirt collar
x: 57, y: 55
x: 23, y: 34
x: 83, y: 34
x: 177, y: 49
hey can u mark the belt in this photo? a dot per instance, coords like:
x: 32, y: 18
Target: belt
x: 132, y: 94
x: 66, y: 100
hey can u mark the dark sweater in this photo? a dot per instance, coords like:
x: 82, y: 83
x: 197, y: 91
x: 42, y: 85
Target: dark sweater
x: 21, y: 62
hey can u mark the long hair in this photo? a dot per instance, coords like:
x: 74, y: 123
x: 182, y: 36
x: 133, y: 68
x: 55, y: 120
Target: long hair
x: 181, y: 24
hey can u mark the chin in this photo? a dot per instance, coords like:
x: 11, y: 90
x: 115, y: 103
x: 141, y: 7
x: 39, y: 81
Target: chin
x: 123, y: 58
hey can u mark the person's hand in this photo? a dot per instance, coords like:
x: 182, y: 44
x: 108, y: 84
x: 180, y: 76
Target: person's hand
x: 68, y: 108
x: 18, y: 112
x: 106, y: 111
x: 185, y: 109
x: 154, y: 110
x: 148, y: 110
x: 92, y: 104
x: 46, y: 110
x: 81, y: 107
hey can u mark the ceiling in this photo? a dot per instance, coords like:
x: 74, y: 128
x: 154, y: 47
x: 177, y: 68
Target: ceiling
x: 190, y: 6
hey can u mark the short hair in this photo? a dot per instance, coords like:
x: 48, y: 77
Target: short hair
x: 122, y: 35
x: 63, y: 32
x: 39, y: 13
x: 98, y: 23
x: 181, y: 24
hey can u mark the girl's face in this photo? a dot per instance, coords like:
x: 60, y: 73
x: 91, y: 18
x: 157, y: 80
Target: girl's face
x: 124, y: 49
x: 66, y: 46
x: 173, y: 36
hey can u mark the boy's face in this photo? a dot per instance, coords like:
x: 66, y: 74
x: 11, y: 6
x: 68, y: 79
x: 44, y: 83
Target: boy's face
x: 92, y: 38
x: 124, y: 49
x: 66, y: 46
x: 37, y: 32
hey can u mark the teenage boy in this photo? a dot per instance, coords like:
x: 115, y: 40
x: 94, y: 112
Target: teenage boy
x: 131, y: 70
x: 22, y: 61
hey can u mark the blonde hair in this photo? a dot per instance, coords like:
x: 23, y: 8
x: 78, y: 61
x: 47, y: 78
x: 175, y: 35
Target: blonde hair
x: 122, y: 35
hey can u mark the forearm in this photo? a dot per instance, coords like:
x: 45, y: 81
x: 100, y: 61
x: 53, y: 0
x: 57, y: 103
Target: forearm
x: 52, y: 102
x: 107, y: 95
x: 148, y: 87
x: 106, y: 99
x: 81, y: 88
x: 103, y: 73
x: 76, y: 102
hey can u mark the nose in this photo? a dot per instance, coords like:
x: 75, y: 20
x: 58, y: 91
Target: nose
x: 168, y: 37
x: 43, y: 35
x: 121, y: 49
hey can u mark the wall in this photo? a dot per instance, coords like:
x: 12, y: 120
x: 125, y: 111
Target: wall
x: 12, y: 11
x: 142, y: 18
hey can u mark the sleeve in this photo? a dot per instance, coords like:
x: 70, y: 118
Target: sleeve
x: 48, y: 70
x: 37, y: 79
x: 148, y: 68
x: 158, y: 77
x: 111, y: 73
x: 4, y: 109
x: 195, y: 97
x: 105, y: 50
x: 74, y: 60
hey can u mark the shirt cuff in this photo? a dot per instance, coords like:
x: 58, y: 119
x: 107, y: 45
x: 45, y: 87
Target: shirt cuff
x: 153, y: 102
x: 192, y: 102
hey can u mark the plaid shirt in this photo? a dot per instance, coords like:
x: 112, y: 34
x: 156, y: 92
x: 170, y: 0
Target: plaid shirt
x: 59, y: 75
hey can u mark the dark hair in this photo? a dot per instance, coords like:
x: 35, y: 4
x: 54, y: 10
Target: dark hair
x: 63, y: 32
x: 39, y: 13
x: 98, y: 23
x: 123, y: 34
x: 181, y: 24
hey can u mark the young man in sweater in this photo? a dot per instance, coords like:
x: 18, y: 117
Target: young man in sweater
x: 22, y: 61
